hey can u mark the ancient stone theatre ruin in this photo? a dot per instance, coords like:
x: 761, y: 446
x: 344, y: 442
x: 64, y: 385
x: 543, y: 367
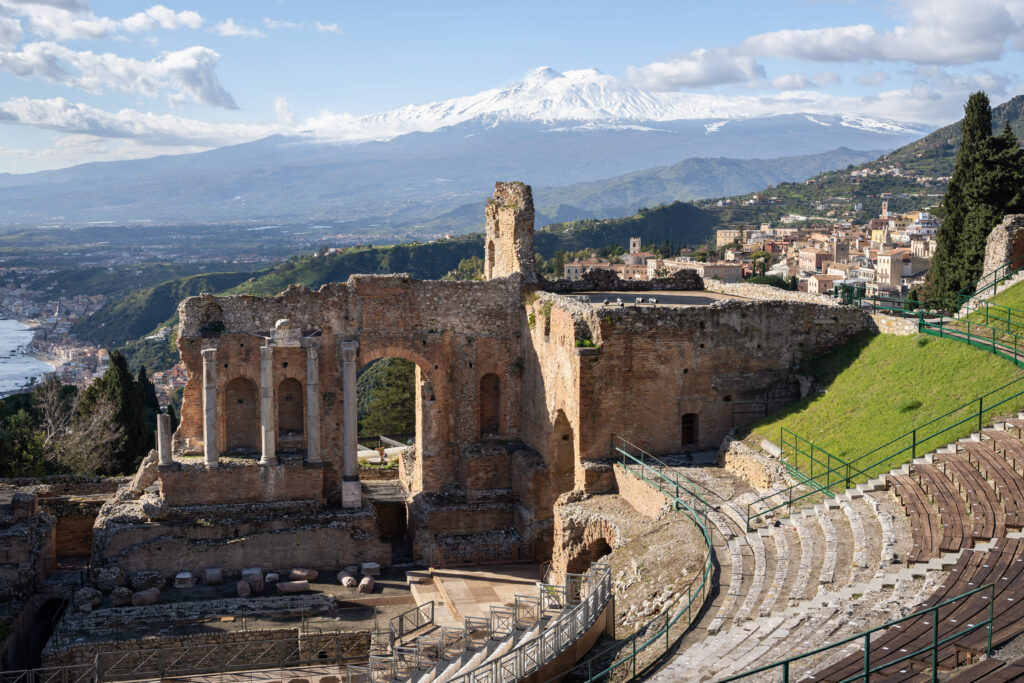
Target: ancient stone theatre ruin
x: 520, y: 386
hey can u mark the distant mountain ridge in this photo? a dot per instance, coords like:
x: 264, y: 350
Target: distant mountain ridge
x: 549, y: 130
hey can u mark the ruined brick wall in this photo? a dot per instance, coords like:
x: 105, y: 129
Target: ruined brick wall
x: 508, y: 241
x: 455, y: 333
x: 641, y: 496
x: 600, y: 279
x: 193, y: 484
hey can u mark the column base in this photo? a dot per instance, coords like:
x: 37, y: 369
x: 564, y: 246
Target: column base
x: 268, y: 463
x: 351, y: 494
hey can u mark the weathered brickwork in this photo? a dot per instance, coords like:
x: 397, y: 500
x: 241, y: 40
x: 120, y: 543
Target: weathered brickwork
x: 1005, y: 245
x: 519, y: 394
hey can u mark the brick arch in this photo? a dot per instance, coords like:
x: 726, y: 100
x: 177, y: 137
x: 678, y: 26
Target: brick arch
x: 371, y: 352
x: 561, y: 454
x: 290, y: 413
x: 490, y: 405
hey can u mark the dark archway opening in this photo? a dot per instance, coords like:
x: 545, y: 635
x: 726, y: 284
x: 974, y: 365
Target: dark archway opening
x: 689, y: 434
x: 241, y: 415
x: 591, y: 553
x: 490, y: 406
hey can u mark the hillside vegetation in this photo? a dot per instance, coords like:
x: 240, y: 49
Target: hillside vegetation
x: 877, y: 388
x: 143, y: 310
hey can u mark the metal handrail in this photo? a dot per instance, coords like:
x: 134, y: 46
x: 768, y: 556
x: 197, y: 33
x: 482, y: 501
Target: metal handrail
x: 915, y: 442
x: 998, y: 275
x: 865, y: 636
x: 662, y: 624
x: 999, y: 345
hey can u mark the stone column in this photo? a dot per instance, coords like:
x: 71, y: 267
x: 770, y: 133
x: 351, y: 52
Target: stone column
x: 269, y: 456
x: 211, y: 451
x: 163, y: 440
x: 350, y: 491
x: 312, y: 406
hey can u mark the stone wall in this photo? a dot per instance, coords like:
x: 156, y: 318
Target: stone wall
x: 240, y: 481
x: 768, y: 293
x: 1005, y: 245
x: 508, y: 247
x: 893, y: 324
x: 643, y: 497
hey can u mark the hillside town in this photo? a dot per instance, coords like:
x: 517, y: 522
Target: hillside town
x: 889, y: 255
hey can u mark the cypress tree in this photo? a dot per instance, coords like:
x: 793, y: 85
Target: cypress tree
x: 174, y: 417
x: 150, y: 403
x: 118, y: 385
x: 985, y: 186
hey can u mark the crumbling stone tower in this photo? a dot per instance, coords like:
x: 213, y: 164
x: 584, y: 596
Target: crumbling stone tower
x: 509, y: 247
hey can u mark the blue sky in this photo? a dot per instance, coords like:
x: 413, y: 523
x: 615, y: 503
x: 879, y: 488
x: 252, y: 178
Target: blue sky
x: 83, y: 81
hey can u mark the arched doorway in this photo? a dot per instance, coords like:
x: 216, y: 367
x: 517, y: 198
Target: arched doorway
x: 241, y: 415
x: 588, y: 555
x: 290, y: 419
x: 490, y: 406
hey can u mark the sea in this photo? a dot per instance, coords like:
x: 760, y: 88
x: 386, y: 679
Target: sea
x: 17, y: 368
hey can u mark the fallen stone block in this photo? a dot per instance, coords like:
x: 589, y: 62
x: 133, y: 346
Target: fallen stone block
x: 213, y: 576
x: 243, y: 588
x: 254, y: 575
x: 370, y: 568
x: 146, y: 597
x: 287, y: 587
x: 108, y: 578
x: 87, y: 598
x: 147, y: 578
x: 120, y: 597
x: 346, y: 580
x: 303, y: 575
x: 272, y: 577
x: 366, y: 585
x: 184, y: 580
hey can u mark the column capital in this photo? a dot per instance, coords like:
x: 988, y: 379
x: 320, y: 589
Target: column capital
x: 209, y: 355
x: 349, y: 349
x: 266, y: 351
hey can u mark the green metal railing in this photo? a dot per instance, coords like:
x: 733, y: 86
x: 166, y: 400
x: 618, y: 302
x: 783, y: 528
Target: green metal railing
x: 684, y: 495
x: 1008, y: 345
x: 997, y: 315
x: 936, y: 643
x: 923, y: 438
x: 992, y: 279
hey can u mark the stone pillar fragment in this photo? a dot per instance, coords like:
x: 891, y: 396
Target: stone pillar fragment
x: 351, y: 494
x: 267, y: 430
x: 312, y: 405
x: 163, y: 440
x: 211, y: 451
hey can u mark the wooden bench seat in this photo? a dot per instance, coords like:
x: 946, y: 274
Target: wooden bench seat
x: 1007, y: 482
x: 987, y: 516
x: 924, y: 521
x: 954, y: 518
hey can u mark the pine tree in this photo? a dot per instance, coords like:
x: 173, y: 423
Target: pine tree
x: 986, y: 185
x: 119, y: 387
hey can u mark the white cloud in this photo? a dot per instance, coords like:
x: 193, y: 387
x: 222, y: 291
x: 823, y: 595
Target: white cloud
x: 70, y: 20
x: 228, y: 27
x: 10, y: 32
x: 283, y: 110
x: 790, y: 82
x: 937, y: 32
x: 188, y: 73
x: 328, y: 28
x: 159, y: 16
x: 62, y: 115
x: 697, y: 69
x: 275, y: 24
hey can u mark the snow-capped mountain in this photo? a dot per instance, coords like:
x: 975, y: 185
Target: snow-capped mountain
x: 413, y: 164
x: 584, y: 96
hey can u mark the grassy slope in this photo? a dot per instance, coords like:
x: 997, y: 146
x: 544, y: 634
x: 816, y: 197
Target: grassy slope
x: 872, y: 385
x: 1012, y: 297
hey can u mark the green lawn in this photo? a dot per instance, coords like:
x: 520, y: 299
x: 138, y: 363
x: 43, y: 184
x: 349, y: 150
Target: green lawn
x: 881, y: 387
x: 997, y: 315
x: 1012, y: 297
